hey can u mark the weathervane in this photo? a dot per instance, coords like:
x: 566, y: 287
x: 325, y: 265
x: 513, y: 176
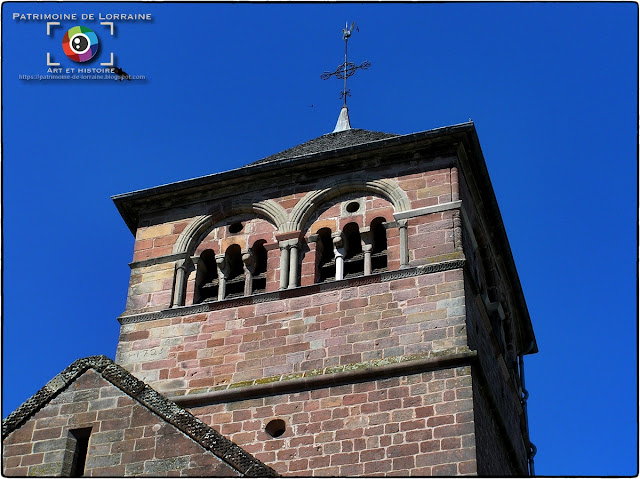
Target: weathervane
x: 346, y: 69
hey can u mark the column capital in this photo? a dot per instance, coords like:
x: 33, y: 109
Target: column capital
x: 249, y: 260
x: 290, y: 235
x: 366, y: 239
x: 221, y: 263
x: 290, y: 243
x: 338, y: 239
x: 184, y: 264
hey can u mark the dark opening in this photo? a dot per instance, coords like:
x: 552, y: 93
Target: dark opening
x: 354, y: 257
x: 81, y: 437
x: 208, y: 287
x: 235, y: 228
x: 235, y: 278
x: 260, y: 273
x: 353, y: 207
x: 326, y: 261
x: 379, y: 250
x: 275, y: 428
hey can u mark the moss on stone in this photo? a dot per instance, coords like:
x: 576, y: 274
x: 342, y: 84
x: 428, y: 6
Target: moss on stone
x: 241, y: 384
x: 357, y: 366
x: 197, y: 391
x: 386, y: 361
x: 312, y: 373
x: 414, y: 357
x: 267, y: 380
x: 53, y: 469
x: 334, y: 369
x: 287, y: 377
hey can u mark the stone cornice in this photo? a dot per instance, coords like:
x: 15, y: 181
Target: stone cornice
x: 331, y: 376
x: 168, y: 258
x: 130, y: 205
x: 456, y: 262
x: 427, y: 210
x: 169, y: 411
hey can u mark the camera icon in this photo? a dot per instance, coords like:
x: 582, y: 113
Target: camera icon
x: 80, y: 44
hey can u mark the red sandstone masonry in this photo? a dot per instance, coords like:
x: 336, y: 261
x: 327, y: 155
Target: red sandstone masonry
x: 149, y: 292
x: 294, y: 335
x: 371, y: 428
x: 126, y: 438
x: 420, y: 424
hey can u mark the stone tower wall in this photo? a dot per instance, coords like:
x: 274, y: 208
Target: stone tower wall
x: 297, y: 343
x: 312, y: 333
x: 406, y: 370
x: 416, y: 424
x: 500, y: 427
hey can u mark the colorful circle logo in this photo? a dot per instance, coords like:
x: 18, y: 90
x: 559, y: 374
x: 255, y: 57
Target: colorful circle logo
x: 80, y: 44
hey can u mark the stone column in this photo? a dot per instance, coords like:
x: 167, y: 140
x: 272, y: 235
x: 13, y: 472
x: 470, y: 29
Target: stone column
x: 221, y: 263
x: 183, y: 268
x: 249, y: 262
x: 293, y: 247
x: 366, y: 240
x: 404, y: 242
x: 200, y: 271
x: 284, y: 264
x: 339, y: 245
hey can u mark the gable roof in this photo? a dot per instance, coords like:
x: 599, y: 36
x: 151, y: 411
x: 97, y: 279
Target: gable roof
x: 169, y: 411
x: 328, y: 142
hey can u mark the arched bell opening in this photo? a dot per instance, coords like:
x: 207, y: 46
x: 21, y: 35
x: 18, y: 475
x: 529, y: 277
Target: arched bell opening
x: 207, y: 277
x: 234, y: 272
x: 259, y: 275
x: 379, y: 249
x: 326, y: 260
x: 354, y: 256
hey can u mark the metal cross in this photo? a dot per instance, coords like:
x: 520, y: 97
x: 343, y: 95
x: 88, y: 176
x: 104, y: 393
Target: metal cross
x: 346, y: 69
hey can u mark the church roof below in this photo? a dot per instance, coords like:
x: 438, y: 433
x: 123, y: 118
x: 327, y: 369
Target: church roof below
x: 210, y: 439
x: 328, y: 142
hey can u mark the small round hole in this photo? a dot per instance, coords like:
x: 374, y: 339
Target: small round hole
x: 235, y: 228
x: 353, y: 207
x: 275, y: 428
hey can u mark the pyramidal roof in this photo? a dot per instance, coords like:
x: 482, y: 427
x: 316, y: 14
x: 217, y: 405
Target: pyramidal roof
x: 330, y: 141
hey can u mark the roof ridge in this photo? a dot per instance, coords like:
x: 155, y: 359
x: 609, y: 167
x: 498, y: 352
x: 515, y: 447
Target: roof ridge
x: 180, y: 418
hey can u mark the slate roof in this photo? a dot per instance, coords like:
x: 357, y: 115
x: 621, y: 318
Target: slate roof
x: 328, y: 142
x: 141, y: 392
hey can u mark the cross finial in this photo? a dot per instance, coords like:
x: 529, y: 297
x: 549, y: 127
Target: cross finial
x: 346, y: 69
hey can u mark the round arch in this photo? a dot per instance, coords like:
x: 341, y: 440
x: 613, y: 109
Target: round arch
x: 314, y: 199
x: 200, y: 226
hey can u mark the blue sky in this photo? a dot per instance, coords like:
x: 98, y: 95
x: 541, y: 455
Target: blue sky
x: 551, y: 87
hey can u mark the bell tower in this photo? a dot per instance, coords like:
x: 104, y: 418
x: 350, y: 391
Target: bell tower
x: 349, y: 306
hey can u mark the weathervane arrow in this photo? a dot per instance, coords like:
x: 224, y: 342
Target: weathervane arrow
x: 346, y: 69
